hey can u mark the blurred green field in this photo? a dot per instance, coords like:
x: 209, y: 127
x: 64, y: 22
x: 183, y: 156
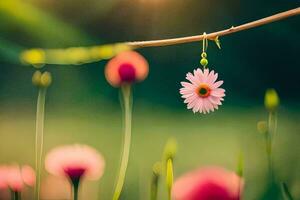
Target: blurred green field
x: 214, y: 139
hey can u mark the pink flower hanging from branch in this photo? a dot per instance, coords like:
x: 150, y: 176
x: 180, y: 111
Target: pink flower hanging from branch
x: 202, y: 93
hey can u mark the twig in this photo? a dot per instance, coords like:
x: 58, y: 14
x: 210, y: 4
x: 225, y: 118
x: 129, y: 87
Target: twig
x: 81, y: 55
x: 214, y: 35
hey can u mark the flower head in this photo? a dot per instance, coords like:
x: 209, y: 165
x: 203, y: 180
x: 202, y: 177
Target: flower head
x: 75, y: 162
x: 126, y: 67
x: 202, y: 93
x: 208, y: 183
x: 14, y: 177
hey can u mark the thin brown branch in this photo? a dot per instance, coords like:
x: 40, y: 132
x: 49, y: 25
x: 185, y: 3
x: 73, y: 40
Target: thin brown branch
x: 214, y: 35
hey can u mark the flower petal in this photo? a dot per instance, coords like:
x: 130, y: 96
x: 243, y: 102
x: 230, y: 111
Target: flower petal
x: 217, y: 84
x: 199, y: 74
x: 188, y: 85
x: 192, y: 79
x: 212, y: 77
x: 215, y: 100
x: 219, y: 92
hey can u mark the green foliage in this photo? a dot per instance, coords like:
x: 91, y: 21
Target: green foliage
x: 47, y: 29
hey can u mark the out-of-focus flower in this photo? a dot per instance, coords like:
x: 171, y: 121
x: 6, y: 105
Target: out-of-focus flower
x: 126, y: 68
x: 202, y: 94
x: 3, y: 179
x: 262, y: 127
x: 271, y: 100
x: 14, y: 177
x: 28, y: 175
x: 75, y: 162
x: 208, y: 183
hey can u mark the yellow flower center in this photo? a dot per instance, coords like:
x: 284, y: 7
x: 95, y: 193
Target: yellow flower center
x: 203, y: 90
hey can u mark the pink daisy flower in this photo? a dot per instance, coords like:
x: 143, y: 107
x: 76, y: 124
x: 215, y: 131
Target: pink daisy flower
x: 126, y: 68
x: 202, y: 94
x: 75, y: 162
x: 208, y: 183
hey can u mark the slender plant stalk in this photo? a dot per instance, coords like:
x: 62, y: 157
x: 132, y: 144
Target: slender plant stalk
x: 169, y: 177
x: 39, y: 138
x: 240, y: 189
x: 126, y: 97
x: 272, y: 129
x: 16, y: 195
x: 240, y: 173
x: 75, y: 188
x: 154, y: 187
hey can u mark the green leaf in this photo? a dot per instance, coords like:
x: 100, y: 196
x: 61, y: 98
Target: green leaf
x: 218, y: 43
x: 285, y: 192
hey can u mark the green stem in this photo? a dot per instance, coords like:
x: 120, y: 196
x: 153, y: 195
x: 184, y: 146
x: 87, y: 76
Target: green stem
x: 75, y: 190
x: 126, y: 96
x: 16, y: 195
x: 154, y: 187
x: 272, y: 129
x: 240, y: 189
x: 39, y: 138
x: 169, y: 177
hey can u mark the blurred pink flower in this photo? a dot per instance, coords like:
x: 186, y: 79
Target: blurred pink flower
x: 14, y: 177
x: 75, y: 162
x: 202, y: 94
x: 126, y: 67
x: 207, y: 184
x: 3, y: 179
x: 28, y: 175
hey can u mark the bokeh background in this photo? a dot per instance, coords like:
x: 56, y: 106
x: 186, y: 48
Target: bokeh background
x: 82, y: 107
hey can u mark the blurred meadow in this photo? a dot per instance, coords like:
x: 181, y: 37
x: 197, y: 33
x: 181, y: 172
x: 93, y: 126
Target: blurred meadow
x: 81, y: 107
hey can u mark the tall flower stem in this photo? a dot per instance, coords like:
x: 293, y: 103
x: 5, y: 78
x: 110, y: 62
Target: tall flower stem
x: 127, y: 109
x: 272, y: 129
x: 39, y: 137
x: 75, y: 188
x: 15, y: 195
x: 156, y: 173
x: 169, y: 177
x: 154, y: 187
